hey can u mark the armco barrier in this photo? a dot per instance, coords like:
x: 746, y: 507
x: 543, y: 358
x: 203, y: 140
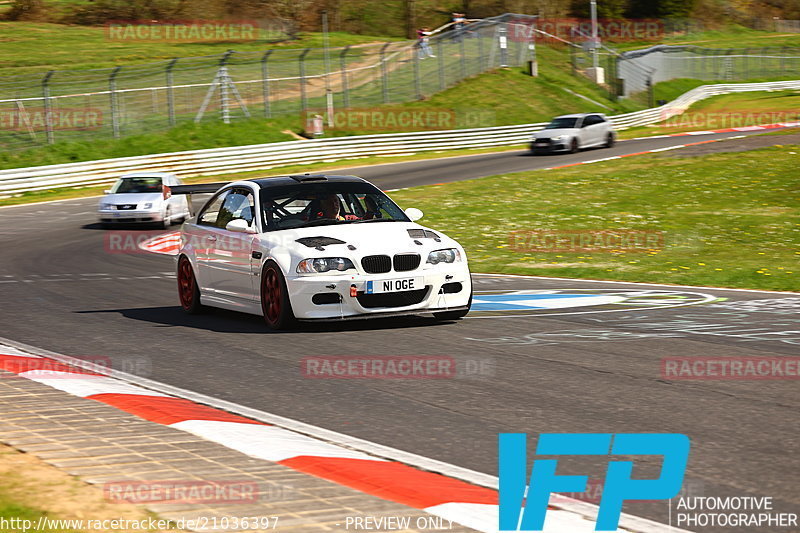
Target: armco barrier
x: 264, y: 156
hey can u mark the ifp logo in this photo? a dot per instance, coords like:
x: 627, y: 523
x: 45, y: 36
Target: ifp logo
x: 618, y: 485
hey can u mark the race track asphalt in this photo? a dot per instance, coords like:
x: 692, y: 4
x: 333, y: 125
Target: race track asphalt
x: 596, y: 368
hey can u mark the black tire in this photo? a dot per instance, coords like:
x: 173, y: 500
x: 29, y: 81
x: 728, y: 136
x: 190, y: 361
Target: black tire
x: 188, y: 291
x: 455, y: 315
x: 573, y: 146
x: 275, y: 302
x: 610, y: 140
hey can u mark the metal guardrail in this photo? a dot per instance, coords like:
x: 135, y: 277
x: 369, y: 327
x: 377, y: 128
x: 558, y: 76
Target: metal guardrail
x: 227, y: 160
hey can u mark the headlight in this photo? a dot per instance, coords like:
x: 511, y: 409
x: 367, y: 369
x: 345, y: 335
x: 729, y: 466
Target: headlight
x: 450, y: 255
x: 560, y: 138
x: 324, y: 264
x: 148, y: 205
x: 106, y: 206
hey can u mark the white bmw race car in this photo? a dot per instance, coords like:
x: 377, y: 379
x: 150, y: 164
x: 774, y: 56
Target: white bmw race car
x: 316, y: 247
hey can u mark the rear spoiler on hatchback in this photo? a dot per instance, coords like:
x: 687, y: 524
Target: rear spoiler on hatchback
x: 197, y: 188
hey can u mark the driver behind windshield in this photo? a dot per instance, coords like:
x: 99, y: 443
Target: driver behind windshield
x: 327, y: 207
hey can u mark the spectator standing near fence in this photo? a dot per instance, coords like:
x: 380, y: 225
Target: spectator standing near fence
x: 459, y: 21
x: 423, y: 44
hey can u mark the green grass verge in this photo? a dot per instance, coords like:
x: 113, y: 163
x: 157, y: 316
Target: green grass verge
x: 12, y: 509
x: 727, y: 220
x: 730, y: 37
x: 187, y: 136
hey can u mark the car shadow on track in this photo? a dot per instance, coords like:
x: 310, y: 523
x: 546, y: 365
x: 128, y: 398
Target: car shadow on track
x: 223, y: 321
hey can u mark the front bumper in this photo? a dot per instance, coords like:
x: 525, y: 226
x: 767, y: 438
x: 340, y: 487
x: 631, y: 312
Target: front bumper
x: 551, y: 146
x: 111, y: 216
x: 445, y: 289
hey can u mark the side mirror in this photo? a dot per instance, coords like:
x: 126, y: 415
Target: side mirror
x: 413, y: 213
x: 240, y: 225
x: 107, y: 191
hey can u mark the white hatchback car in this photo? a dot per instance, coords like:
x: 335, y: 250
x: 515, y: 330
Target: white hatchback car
x: 573, y: 132
x: 144, y: 197
x: 316, y: 247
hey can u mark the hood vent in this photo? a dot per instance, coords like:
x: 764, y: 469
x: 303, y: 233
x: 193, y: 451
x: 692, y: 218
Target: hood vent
x: 318, y: 242
x: 417, y: 233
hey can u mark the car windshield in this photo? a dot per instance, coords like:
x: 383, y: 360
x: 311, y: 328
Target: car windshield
x: 559, y: 123
x: 329, y: 203
x: 133, y: 185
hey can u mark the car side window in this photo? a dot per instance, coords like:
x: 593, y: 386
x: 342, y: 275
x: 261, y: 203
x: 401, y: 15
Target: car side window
x: 239, y: 204
x: 591, y: 120
x: 210, y: 214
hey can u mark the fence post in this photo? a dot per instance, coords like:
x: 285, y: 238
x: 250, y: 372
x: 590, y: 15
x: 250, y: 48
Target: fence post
x: 265, y: 82
x: 440, y: 64
x: 385, y: 74
x: 303, y: 97
x: 112, y: 91
x: 48, y: 123
x: 463, y: 60
x: 343, y: 66
x: 417, y: 83
x: 171, y: 93
x: 481, y: 61
x: 223, y: 87
x: 746, y: 64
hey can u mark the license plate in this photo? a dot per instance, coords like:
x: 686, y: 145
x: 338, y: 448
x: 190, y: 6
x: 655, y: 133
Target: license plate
x: 540, y: 144
x: 395, y: 285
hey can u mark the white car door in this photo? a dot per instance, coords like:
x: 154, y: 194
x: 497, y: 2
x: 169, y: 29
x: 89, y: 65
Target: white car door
x: 203, y: 237
x: 230, y: 252
x: 594, y: 127
x: 584, y: 135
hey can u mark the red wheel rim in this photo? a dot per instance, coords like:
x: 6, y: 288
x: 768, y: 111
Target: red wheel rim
x: 271, y: 296
x: 186, y: 283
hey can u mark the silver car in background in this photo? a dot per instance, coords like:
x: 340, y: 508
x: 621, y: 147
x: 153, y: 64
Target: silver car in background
x: 143, y: 198
x: 570, y: 133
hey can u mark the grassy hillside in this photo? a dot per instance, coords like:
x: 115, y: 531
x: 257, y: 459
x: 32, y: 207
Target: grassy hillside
x: 730, y: 37
x: 35, y: 48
